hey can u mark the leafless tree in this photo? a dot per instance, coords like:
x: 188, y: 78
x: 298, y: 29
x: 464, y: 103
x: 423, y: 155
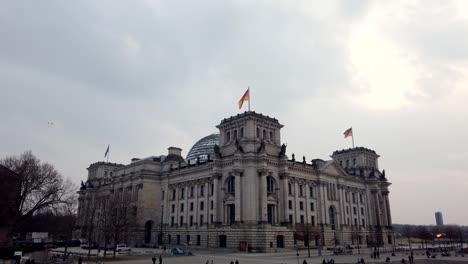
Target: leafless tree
x: 422, y: 233
x: 306, y: 232
x: 408, y: 231
x: 42, y: 187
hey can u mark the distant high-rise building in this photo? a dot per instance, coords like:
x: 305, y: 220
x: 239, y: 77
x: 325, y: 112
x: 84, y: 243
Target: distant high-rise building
x: 439, y: 219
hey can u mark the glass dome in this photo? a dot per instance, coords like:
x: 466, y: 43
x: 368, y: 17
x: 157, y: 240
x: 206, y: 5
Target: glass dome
x: 203, y: 148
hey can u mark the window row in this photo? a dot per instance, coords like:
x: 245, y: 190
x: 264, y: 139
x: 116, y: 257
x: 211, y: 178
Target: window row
x: 301, y: 206
x: 302, y: 190
x: 190, y: 192
x: 301, y: 219
x: 191, y: 221
x: 201, y: 207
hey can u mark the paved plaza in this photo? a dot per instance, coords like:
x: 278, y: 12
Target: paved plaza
x: 286, y: 257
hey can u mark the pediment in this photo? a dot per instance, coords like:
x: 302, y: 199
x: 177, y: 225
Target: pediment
x: 332, y: 168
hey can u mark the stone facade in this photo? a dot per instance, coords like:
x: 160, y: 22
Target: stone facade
x: 248, y: 194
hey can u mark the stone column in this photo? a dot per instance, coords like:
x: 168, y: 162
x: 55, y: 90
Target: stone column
x: 216, y: 208
x: 263, y: 196
x: 387, y: 203
x: 283, y: 207
x: 238, y: 204
x: 206, y: 217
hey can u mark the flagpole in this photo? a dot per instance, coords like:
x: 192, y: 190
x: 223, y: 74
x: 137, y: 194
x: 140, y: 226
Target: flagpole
x: 352, y: 135
x: 249, y: 96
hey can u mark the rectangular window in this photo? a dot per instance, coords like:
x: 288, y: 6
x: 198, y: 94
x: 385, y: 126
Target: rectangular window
x: 347, y: 196
x: 212, y: 189
x: 181, y: 207
x: 354, y: 210
x: 198, y: 240
x: 191, y: 191
x: 360, y: 198
x: 173, y: 208
x: 301, y: 190
x: 289, y: 189
x: 362, y: 211
x: 162, y: 195
x: 302, y: 219
x: 202, y: 205
x: 211, y: 219
x: 211, y: 204
x: 201, y: 220
x: 191, y: 207
x: 312, y: 220
x: 290, y: 205
x: 290, y: 218
x: 355, y: 222
x: 202, y: 190
x: 347, y: 221
x: 172, y: 221
x: 301, y: 206
x: 181, y: 220
x: 182, y: 193
x: 311, y: 191
x: 312, y: 207
x: 354, y: 197
x: 347, y: 210
x: 363, y: 223
x: 173, y: 194
x: 191, y: 220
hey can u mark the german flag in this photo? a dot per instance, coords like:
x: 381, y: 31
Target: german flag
x: 348, y: 132
x: 244, y: 98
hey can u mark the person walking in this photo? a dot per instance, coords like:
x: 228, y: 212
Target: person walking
x: 80, y: 260
x: 237, y: 262
x: 304, y: 262
x: 160, y: 259
x: 154, y: 259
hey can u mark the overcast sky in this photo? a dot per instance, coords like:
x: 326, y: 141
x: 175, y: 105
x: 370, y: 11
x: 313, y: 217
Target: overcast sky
x: 146, y: 75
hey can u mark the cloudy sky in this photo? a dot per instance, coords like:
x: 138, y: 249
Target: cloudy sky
x: 146, y: 75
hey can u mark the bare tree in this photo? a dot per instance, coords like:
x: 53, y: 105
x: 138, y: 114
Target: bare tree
x: 422, y: 233
x: 306, y: 232
x: 407, y: 231
x: 42, y: 187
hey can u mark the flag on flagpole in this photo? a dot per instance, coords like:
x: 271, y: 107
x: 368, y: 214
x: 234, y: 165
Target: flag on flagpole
x: 107, y: 151
x: 348, y: 132
x: 244, y: 98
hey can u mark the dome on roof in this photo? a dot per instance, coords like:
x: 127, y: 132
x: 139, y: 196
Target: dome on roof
x: 203, y: 148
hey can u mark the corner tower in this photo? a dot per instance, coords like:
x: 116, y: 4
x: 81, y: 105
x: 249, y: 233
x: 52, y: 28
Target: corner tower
x: 250, y: 132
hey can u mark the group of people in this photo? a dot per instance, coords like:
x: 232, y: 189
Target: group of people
x: 159, y: 259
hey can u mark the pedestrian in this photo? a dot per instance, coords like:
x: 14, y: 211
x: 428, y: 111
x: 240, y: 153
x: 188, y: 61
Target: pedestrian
x: 164, y: 248
x: 80, y: 260
x: 387, y: 259
x: 362, y: 261
x: 160, y: 259
x: 324, y: 262
x: 232, y: 262
x: 403, y: 261
x: 428, y: 254
x: 154, y: 259
x: 237, y: 262
x: 207, y: 262
x: 304, y: 262
x: 378, y: 254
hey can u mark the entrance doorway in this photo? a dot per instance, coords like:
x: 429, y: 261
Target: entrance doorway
x: 222, y: 241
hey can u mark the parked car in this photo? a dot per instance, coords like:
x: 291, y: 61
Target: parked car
x: 122, y: 247
x: 89, y: 246
x: 177, y: 251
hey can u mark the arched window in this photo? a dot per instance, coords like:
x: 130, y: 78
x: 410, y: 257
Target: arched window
x: 332, y: 217
x: 242, y: 132
x: 258, y: 132
x: 228, y: 136
x: 270, y: 184
x: 271, y: 136
x: 235, y: 133
x: 230, y: 185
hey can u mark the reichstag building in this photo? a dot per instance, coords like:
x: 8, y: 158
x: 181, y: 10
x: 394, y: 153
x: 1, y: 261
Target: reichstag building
x: 239, y: 189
